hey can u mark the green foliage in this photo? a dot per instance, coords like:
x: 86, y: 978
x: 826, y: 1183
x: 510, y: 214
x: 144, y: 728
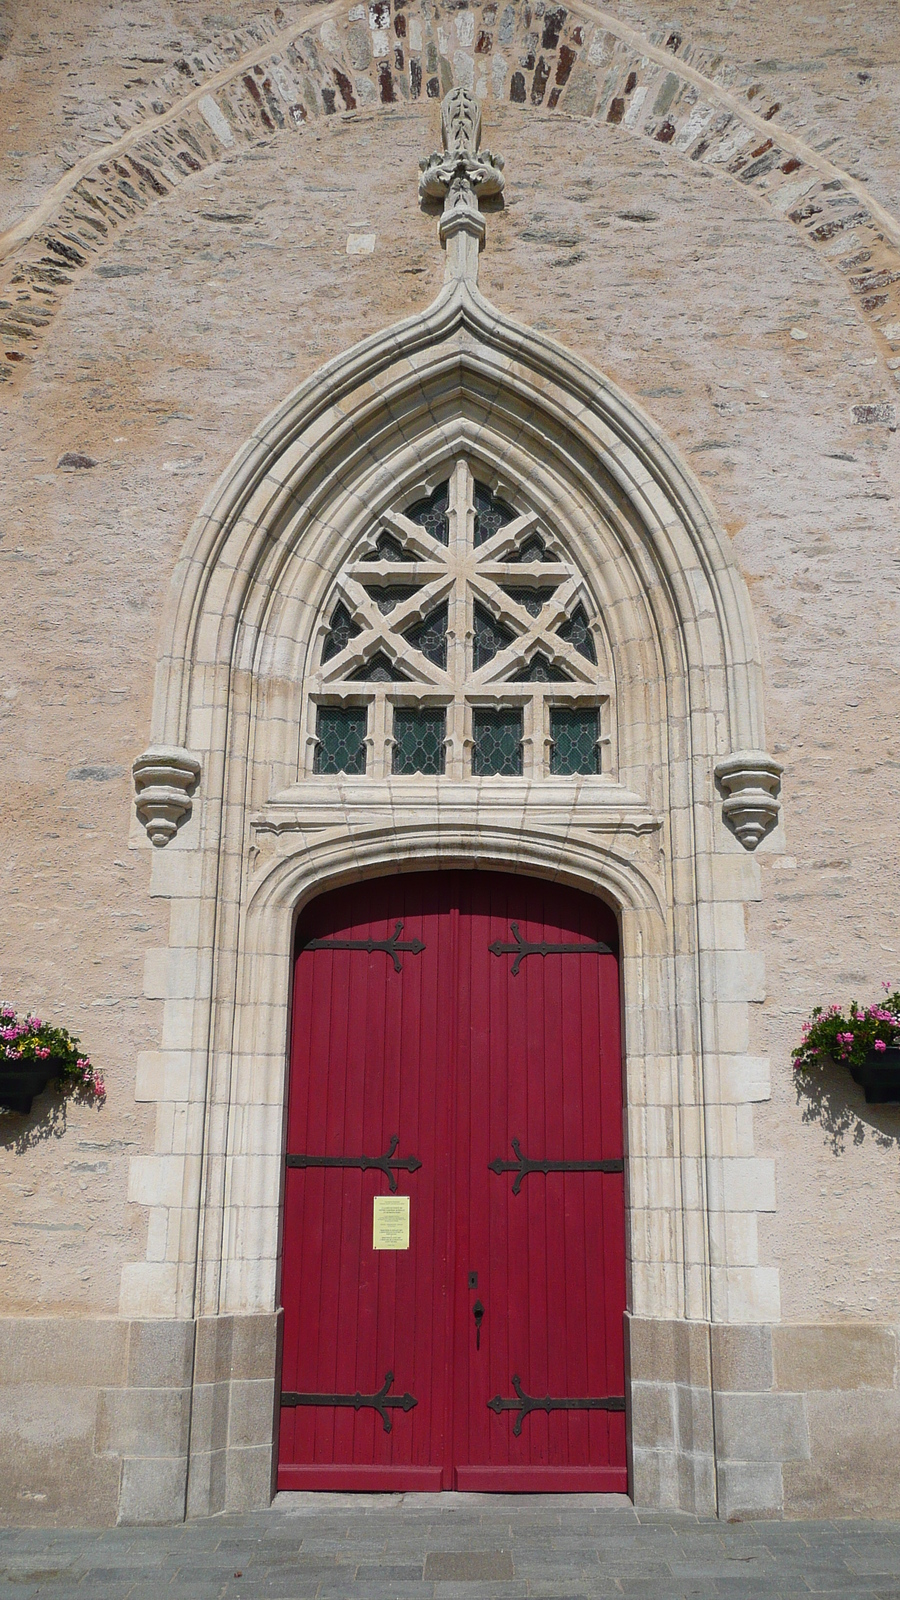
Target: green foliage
x: 832, y: 1034
x: 29, y: 1042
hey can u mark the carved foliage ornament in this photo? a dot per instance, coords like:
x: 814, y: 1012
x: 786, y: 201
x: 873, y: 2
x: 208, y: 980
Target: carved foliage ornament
x: 461, y: 170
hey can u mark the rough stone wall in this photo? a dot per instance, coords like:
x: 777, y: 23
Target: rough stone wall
x: 738, y: 336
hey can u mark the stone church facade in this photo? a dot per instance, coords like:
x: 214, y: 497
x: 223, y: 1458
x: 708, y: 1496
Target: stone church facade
x: 267, y: 363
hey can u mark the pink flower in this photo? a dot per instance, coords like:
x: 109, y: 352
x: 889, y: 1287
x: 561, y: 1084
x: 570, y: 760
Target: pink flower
x: 880, y: 1044
x: 42, y: 1052
x: 845, y: 1038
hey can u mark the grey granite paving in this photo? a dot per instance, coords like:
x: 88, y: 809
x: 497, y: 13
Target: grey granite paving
x: 455, y: 1547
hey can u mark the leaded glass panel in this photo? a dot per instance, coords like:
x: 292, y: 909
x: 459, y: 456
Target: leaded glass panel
x: 341, y: 735
x: 574, y: 736
x: 576, y: 632
x: 431, y: 514
x: 496, y: 742
x: 541, y: 670
x: 491, y: 514
x: 489, y: 636
x: 389, y: 549
x: 389, y: 596
x: 430, y: 636
x: 341, y: 630
x: 379, y: 669
x: 532, y: 599
x: 532, y: 549
x: 418, y: 739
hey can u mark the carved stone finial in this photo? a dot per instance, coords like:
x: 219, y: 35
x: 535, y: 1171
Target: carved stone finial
x: 751, y: 780
x: 164, y: 780
x: 459, y: 175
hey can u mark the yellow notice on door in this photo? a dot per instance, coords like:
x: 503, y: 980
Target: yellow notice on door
x: 390, y: 1222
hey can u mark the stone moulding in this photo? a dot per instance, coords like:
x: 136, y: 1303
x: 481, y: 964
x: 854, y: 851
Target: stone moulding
x: 240, y: 643
x: 165, y: 777
x: 751, y: 781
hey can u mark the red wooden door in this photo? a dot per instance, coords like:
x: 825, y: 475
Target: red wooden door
x: 496, y: 1067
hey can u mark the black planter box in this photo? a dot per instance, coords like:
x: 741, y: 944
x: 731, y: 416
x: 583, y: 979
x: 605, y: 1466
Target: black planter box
x: 19, y: 1086
x: 879, y: 1076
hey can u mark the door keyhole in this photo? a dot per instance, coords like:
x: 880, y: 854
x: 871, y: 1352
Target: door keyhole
x: 478, y: 1314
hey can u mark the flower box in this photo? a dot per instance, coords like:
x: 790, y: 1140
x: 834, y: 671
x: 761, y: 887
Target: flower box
x: 20, y: 1085
x: 879, y: 1076
x: 31, y: 1053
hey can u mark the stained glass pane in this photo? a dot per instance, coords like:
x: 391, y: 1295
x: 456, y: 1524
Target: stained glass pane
x: 532, y: 549
x: 491, y: 514
x: 489, y: 636
x: 341, y: 630
x: 497, y: 742
x: 531, y: 599
x: 574, y: 736
x: 379, y: 669
x: 431, y: 514
x: 430, y: 636
x: 390, y: 596
x: 418, y: 740
x: 389, y: 549
x: 576, y: 632
x: 341, y: 732
x: 541, y: 670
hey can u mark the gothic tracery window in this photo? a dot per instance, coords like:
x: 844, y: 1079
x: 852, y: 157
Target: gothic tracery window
x: 459, y: 641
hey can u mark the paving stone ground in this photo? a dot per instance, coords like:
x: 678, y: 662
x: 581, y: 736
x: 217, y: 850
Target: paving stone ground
x: 454, y: 1547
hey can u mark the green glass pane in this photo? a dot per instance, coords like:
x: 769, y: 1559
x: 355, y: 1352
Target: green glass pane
x: 390, y: 595
x: 389, y: 549
x: 491, y: 514
x: 341, y: 630
x: 576, y: 632
x: 574, y: 747
x: 431, y: 514
x: 430, y: 636
x: 418, y: 740
x: 532, y: 599
x: 497, y: 743
x: 341, y: 732
x: 379, y: 669
x: 533, y: 549
x: 489, y: 636
x: 541, y: 670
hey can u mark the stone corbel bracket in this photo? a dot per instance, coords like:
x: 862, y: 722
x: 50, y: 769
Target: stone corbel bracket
x: 164, y: 780
x: 750, y: 781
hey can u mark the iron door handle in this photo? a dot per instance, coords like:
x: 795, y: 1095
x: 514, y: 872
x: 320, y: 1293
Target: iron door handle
x: 478, y: 1314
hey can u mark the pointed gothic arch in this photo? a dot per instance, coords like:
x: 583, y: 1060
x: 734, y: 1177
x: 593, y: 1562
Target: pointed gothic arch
x: 551, y: 437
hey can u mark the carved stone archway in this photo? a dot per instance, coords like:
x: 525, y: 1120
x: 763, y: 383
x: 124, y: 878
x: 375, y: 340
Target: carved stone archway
x: 248, y: 837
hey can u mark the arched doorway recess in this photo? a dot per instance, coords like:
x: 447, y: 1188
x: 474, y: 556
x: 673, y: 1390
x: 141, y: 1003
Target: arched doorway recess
x: 463, y: 457
x: 453, y: 1276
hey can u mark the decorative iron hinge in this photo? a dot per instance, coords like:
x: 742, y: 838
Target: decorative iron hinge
x: 390, y: 946
x: 522, y: 948
x: 527, y: 1403
x: 360, y: 1402
x: 385, y: 1163
x: 522, y: 1166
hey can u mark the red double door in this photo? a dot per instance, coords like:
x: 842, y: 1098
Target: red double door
x: 455, y: 1042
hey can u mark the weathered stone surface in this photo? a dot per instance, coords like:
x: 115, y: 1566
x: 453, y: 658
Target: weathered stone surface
x: 834, y: 1356
x: 748, y: 311
x: 853, y: 1452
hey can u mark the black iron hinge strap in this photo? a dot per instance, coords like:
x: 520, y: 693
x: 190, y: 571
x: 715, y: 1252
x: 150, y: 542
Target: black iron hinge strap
x: 522, y: 1166
x: 372, y: 1402
x: 390, y: 946
x: 385, y: 1163
x: 522, y: 948
x: 527, y: 1403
